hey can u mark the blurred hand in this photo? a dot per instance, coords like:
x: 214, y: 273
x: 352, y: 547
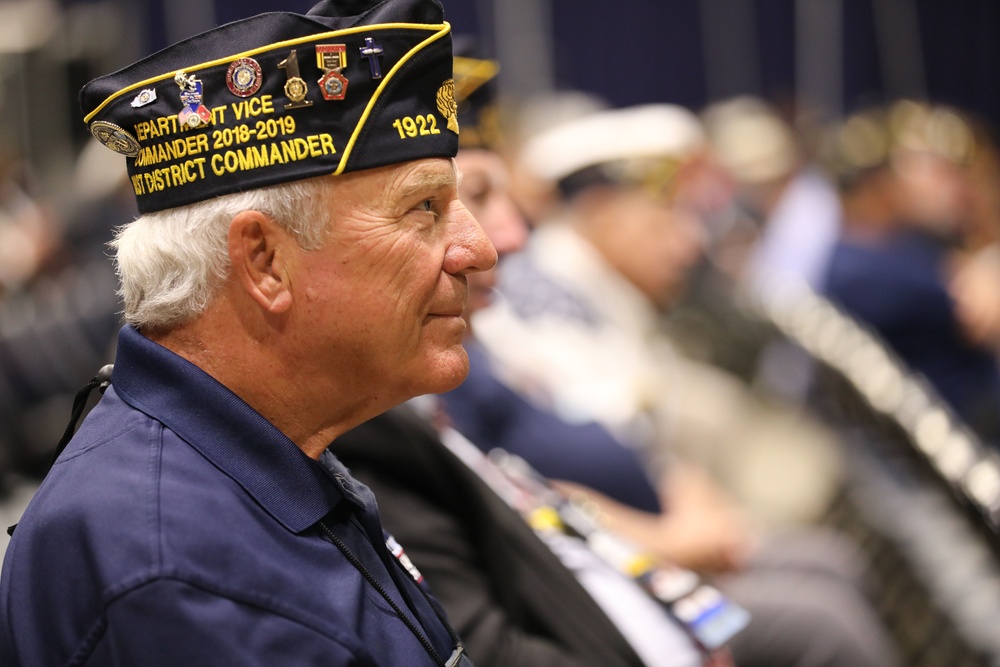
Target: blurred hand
x: 974, y: 287
x: 28, y: 236
x: 700, y: 530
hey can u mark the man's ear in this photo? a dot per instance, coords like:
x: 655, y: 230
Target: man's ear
x: 258, y: 251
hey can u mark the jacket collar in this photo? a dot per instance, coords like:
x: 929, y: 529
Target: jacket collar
x: 296, y: 490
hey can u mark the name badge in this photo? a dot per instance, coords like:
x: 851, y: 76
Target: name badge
x: 396, y: 549
x: 710, y: 616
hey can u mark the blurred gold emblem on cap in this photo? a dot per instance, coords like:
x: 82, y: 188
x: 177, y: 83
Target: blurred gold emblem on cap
x: 446, y: 104
x: 471, y: 74
x: 115, y: 138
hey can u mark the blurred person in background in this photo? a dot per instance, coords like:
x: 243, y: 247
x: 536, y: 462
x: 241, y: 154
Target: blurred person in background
x: 627, y: 380
x: 517, y: 596
x: 576, y: 329
x: 792, y: 214
x: 905, y: 183
x: 60, y: 325
x: 772, y: 218
x: 29, y: 234
x: 976, y: 275
x: 58, y: 308
x: 29, y: 239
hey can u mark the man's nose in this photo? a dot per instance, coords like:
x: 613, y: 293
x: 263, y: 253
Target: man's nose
x: 472, y: 250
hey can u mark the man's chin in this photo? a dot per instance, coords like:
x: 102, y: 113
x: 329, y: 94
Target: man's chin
x: 447, y: 371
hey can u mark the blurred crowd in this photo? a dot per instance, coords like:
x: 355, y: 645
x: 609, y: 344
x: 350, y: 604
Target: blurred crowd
x: 625, y: 308
x: 629, y: 308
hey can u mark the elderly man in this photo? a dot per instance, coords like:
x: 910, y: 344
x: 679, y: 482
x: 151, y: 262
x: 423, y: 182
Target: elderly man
x: 300, y: 266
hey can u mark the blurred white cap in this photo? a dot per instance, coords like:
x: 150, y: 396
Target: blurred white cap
x: 651, y: 131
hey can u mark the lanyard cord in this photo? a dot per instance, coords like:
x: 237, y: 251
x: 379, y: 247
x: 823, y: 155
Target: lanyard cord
x: 424, y: 641
x: 100, y: 381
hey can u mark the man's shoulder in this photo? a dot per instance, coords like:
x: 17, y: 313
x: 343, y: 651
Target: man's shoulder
x: 900, y: 268
x: 114, y: 489
x: 98, y: 466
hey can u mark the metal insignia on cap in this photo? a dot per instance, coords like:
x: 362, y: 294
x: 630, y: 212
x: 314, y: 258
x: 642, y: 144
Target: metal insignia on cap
x: 145, y: 97
x: 295, y: 87
x: 373, y: 52
x: 244, y: 77
x: 115, y: 138
x: 194, y: 112
x: 332, y: 58
x: 446, y: 104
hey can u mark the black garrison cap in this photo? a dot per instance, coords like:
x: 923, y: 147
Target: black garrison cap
x: 278, y: 97
x: 476, y: 95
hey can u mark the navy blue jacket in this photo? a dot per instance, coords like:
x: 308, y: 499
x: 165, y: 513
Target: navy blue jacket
x: 897, y: 286
x: 179, y: 527
x: 491, y: 415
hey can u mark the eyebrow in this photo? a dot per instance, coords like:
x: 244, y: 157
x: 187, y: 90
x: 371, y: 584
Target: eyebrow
x: 432, y: 180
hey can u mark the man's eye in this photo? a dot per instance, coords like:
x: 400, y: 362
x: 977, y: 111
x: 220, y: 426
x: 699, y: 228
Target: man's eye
x: 478, y: 197
x: 426, y: 205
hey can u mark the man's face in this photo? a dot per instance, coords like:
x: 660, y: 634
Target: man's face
x: 932, y: 192
x: 485, y: 191
x: 649, y: 241
x: 381, y: 301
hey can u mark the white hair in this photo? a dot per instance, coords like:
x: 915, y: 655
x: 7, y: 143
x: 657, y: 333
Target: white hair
x: 172, y: 262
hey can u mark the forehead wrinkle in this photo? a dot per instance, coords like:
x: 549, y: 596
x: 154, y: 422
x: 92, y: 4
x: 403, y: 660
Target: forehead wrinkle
x: 427, y: 179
